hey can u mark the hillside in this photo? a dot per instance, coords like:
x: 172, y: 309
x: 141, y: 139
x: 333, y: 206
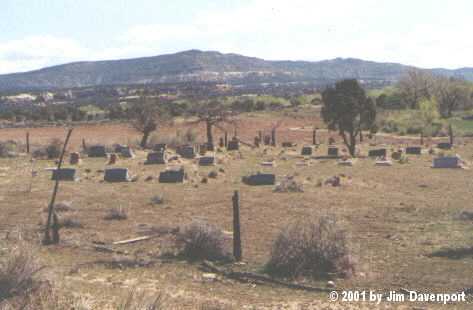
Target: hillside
x: 203, y: 66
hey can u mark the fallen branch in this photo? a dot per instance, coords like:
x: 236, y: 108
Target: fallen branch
x: 133, y: 240
x: 249, y: 277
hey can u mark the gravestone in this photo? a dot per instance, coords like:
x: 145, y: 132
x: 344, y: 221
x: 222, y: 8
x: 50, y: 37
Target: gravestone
x: 267, y: 140
x: 332, y: 151
x: 117, y: 148
x: 113, y: 159
x: 156, y: 158
x: 396, y: 155
x: 377, y: 153
x: 447, y: 162
x: 203, y: 149
x: 64, y: 174
x: 287, y: 144
x: 74, y: 158
x: 307, y: 151
x: 173, y: 175
x: 160, y: 147
x: 413, y: 150
x: 116, y: 175
x: 233, y: 145
x: 96, y: 151
x: 207, y: 161
x: 444, y: 146
x: 260, y: 179
x: 186, y: 151
x: 127, y: 152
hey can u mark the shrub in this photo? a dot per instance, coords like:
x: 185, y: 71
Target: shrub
x: 202, y: 241
x: 53, y: 150
x: 69, y: 222
x: 136, y: 301
x: 313, y: 248
x: 18, y: 272
x: 288, y: 185
x: 8, y: 148
x: 119, y: 214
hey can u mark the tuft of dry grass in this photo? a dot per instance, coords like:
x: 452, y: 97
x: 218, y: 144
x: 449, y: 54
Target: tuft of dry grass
x: 139, y: 301
x: 316, y: 248
x: 115, y: 213
x: 18, y: 271
x: 202, y: 241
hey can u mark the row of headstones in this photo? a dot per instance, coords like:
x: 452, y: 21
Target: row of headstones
x: 382, y: 152
x: 175, y: 175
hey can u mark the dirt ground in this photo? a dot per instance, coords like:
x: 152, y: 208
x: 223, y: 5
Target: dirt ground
x: 400, y: 219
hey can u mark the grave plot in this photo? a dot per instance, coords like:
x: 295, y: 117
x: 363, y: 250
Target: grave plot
x: 64, y: 174
x: 307, y: 150
x: 444, y: 146
x: 377, y: 153
x: 260, y: 179
x: 172, y: 175
x: 117, y: 175
x: 97, y: 151
x: 127, y: 152
x: 186, y: 151
x: 447, y: 162
x: 207, y: 160
x: 74, y: 158
x: 332, y: 151
x: 233, y: 145
x: 156, y: 158
x: 414, y: 150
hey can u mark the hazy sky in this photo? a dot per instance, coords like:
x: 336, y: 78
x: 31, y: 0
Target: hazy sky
x: 425, y: 33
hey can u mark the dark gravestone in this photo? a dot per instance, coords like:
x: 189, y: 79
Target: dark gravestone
x: 74, y: 158
x: 117, y: 175
x: 172, y: 176
x: 127, y: 152
x: 207, y: 161
x: 186, y: 151
x: 447, y: 162
x: 64, y: 174
x: 413, y: 150
x: 117, y: 148
x: 203, y: 149
x: 160, y: 147
x: 156, y: 158
x: 444, y: 146
x: 332, y: 151
x: 287, y: 144
x: 260, y: 179
x: 233, y: 145
x: 307, y: 150
x: 97, y: 151
x: 377, y: 153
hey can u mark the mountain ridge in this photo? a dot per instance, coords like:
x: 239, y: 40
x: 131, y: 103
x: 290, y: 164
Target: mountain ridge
x: 210, y: 66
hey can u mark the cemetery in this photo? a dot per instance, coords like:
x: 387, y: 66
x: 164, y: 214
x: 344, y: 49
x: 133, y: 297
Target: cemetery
x: 124, y: 207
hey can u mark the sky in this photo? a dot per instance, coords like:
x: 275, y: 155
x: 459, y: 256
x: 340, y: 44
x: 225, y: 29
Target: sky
x: 423, y: 33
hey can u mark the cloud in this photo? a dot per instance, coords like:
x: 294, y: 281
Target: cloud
x: 425, y: 33
x: 38, y: 51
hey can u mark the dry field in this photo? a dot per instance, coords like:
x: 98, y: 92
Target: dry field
x: 396, y: 217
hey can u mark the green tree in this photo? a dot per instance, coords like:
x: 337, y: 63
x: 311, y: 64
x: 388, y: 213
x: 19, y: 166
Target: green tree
x: 429, y: 115
x: 451, y: 94
x: 346, y: 108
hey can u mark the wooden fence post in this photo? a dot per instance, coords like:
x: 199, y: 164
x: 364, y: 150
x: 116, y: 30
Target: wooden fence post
x: 273, y: 137
x: 314, y: 136
x: 421, y: 138
x: 226, y: 139
x: 450, y: 133
x: 47, y: 236
x: 237, y: 253
x: 27, y: 142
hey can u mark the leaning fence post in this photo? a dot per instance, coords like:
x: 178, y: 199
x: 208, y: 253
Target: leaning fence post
x: 47, y: 236
x: 27, y: 142
x: 237, y: 253
x: 314, y: 136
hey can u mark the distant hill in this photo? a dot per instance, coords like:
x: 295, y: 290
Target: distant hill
x: 200, y: 66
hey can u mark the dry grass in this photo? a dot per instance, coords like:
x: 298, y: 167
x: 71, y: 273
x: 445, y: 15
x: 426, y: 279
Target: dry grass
x: 116, y: 213
x: 397, y: 216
